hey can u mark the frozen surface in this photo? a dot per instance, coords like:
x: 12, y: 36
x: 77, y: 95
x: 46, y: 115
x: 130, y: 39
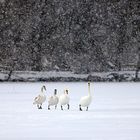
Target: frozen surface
x: 113, y: 115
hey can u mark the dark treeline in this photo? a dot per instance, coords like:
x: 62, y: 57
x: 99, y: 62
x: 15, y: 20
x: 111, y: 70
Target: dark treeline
x: 70, y: 35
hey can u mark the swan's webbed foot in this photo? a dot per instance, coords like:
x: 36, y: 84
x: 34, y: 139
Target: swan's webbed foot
x: 80, y: 108
x: 68, y: 106
x: 40, y: 107
x: 61, y: 107
x: 87, y: 108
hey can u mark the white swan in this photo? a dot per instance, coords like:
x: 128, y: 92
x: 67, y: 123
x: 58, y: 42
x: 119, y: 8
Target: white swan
x: 40, y: 98
x: 86, y: 100
x: 64, y: 99
x: 53, y: 100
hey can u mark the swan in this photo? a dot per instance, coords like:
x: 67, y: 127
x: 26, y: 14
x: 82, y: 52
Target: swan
x: 86, y: 100
x: 64, y: 99
x: 53, y: 100
x: 40, y: 98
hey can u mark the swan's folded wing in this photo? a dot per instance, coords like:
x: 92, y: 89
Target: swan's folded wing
x: 37, y: 98
x: 50, y: 98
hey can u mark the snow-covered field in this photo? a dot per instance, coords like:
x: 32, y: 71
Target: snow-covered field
x: 113, y: 115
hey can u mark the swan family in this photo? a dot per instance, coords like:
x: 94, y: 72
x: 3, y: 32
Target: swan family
x: 63, y: 99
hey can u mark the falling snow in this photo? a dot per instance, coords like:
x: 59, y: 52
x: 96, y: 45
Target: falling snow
x: 82, y: 36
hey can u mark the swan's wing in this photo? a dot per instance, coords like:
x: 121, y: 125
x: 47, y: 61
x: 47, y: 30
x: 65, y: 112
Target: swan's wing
x: 57, y: 99
x: 51, y: 97
x: 37, y: 98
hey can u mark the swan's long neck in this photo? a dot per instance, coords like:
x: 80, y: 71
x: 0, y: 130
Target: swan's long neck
x: 42, y: 90
x: 89, y: 89
x: 55, y: 91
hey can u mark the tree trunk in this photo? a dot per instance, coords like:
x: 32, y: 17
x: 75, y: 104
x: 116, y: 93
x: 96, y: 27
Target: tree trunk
x: 138, y: 66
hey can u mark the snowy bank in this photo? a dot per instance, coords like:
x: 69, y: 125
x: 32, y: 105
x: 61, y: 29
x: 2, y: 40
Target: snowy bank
x: 66, y: 76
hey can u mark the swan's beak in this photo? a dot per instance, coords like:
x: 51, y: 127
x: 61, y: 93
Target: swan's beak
x: 88, y: 83
x: 55, y: 91
x: 44, y: 87
x: 66, y: 91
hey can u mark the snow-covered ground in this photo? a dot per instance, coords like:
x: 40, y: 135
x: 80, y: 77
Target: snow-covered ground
x: 113, y: 115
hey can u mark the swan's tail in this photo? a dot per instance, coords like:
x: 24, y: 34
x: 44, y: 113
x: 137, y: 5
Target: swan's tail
x: 36, y: 99
x: 34, y: 103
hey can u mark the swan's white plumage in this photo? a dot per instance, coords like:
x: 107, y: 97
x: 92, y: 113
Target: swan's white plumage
x: 86, y: 100
x: 64, y: 99
x: 41, y: 98
x: 53, y: 100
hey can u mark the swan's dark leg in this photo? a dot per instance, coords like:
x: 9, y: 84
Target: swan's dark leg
x: 48, y: 107
x: 55, y: 106
x: 68, y: 106
x: 40, y: 106
x: 61, y: 107
x: 87, y: 108
x: 80, y: 108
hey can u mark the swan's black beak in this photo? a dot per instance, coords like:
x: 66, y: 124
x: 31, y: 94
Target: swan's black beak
x: 66, y: 91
